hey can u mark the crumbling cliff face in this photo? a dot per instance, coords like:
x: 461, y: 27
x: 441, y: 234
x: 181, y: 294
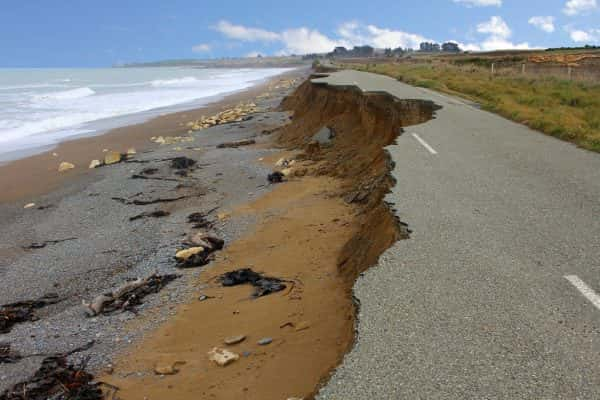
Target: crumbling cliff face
x: 361, y: 126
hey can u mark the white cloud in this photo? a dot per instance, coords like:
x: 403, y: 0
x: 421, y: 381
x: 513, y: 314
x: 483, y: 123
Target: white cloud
x: 544, y: 23
x: 587, y: 37
x: 355, y: 34
x: 498, y: 33
x: 245, y: 34
x: 495, y: 27
x: 304, y: 40
x: 201, y: 48
x: 576, y: 7
x: 480, y: 3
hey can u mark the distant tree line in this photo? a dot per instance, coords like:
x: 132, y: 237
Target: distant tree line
x: 586, y: 47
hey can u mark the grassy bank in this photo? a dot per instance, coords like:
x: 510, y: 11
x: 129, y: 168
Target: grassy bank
x: 565, y: 109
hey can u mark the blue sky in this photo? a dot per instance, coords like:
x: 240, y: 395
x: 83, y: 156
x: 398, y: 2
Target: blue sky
x: 63, y: 33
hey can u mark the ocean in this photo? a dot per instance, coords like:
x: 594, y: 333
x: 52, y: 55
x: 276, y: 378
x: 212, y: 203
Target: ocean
x: 42, y: 107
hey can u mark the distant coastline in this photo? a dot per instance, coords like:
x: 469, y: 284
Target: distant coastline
x: 254, y: 62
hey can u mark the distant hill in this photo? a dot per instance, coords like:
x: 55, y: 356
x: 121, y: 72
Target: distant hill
x: 254, y: 62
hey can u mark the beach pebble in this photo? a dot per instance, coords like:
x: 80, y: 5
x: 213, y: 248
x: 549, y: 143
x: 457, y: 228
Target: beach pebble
x: 265, y: 341
x: 223, y: 216
x: 222, y: 357
x: 167, y: 369
x: 30, y: 205
x: 95, y: 164
x: 234, y: 340
x: 65, y: 166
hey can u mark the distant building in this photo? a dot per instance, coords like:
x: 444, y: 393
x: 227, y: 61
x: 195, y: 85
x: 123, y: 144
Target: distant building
x: 357, y: 51
x: 398, y: 52
x: 451, y: 47
x: 340, y: 51
x: 363, y: 51
x: 429, y: 47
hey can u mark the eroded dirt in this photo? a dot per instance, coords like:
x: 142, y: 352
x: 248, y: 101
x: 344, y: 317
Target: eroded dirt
x: 317, y: 230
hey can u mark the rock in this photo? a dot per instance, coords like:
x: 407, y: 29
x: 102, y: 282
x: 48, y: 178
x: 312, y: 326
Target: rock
x: 65, y: 166
x: 54, y: 155
x: 112, y: 157
x: 222, y: 357
x: 275, y: 177
x: 324, y: 136
x: 282, y: 162
x: 183, y: 255
x: 29, y: 205
x: 131, y: 151
x: 167, y: 369
x: 302, y: 326
x: 95, y: 164
x: 265, y: 341
x: 286, y: 172
x: 223, y: 216
x: 230, y: 341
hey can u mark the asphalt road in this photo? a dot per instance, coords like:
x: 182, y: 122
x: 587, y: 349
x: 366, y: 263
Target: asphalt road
x: 477, y: 304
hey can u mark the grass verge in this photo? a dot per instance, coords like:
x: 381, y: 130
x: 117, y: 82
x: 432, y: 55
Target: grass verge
x: 564, y: 109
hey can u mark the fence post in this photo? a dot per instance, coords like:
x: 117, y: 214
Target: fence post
x: 570, y: 71
x: 493, y: 69
x: 523, y: 69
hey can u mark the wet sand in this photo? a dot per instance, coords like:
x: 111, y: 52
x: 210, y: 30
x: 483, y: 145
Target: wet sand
x: 32, y: 176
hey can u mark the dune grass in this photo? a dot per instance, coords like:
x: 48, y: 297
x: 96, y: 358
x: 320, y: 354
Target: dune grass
x: 568, y: 110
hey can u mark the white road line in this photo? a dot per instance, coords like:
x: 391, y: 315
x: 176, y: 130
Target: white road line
x: 585, y: 290
x: 424, y: 143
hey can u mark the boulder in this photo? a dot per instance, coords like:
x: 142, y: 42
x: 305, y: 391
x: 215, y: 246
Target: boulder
x: 65, y: 166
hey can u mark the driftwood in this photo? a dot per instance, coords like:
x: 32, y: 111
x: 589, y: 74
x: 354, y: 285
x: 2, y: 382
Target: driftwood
x: 209, y: 245
x: 35, y: 245
x: 127, y: 296
x: 148, y: 202
x: 236, y: 144
x: 153, y: 178
x: 152, y: 214
x: 7, y: 355
x: 11, y: 314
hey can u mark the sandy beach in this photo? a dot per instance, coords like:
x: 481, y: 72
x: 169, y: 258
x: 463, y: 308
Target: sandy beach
x: 94, y: 231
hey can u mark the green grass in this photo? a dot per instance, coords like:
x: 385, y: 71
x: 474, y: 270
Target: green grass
x: 568, y: 110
